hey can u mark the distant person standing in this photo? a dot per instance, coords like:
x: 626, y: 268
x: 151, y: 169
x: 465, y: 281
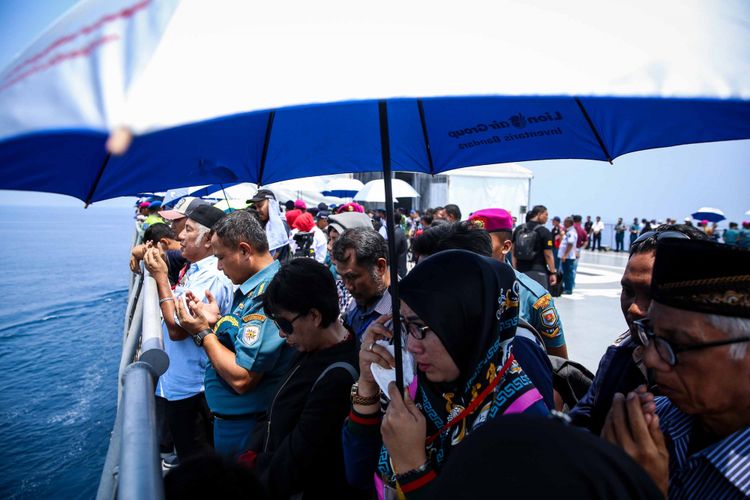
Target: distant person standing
x: 635, y: 229
x: 619, y: 235
x: 597, y: 229
x: 567, y: 254
x: 587, y: 226
x: 744, y: 239
x: 732, y: 235
x: 646, y: 226
x: 558, y: 231
x: 532, y: 248
x: 452, y: 212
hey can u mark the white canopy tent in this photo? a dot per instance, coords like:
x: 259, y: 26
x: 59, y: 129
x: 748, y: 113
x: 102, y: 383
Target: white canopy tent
x: 505, y: 186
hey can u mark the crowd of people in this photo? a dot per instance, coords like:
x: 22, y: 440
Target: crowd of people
x: 277, y: 322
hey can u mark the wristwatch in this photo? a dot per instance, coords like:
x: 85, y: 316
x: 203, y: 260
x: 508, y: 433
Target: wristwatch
x: 198, y: 337
x: 362, y: 400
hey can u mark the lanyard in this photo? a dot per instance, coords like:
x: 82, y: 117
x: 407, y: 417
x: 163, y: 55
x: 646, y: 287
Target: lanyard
x: 475, y: 402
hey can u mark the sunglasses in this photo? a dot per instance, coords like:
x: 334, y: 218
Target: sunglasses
x: 287, y: 325
x: 667, y: 350
x: 664, y: 235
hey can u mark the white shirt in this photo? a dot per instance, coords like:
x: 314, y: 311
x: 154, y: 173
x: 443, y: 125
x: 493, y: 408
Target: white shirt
x: 569, y: 240
x: 598, y: 227
x: 187, y: 361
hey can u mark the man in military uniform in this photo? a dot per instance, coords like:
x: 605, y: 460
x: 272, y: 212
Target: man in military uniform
x: 247, y: 357
x: 537, y: 305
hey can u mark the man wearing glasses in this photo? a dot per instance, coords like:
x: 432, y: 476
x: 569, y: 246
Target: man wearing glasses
x: 247, y: 357
x: 621, y: 369
x: 695, y: 342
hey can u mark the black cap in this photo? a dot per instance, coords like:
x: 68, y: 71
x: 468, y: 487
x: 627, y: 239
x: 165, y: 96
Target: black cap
x: 262, y: 194
x: 702, y: 276
x: 322, y: 206
x: 206, y: 215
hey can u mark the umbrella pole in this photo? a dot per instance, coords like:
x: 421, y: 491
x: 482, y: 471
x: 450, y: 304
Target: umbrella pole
x: 225, y: 194
x: 385, y: 147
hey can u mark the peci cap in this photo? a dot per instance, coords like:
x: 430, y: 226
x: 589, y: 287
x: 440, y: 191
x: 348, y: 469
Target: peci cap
x: 262, y: 194
x: 182, y: 208
x: 702, y: 276
x: 492, y: 219
x: 206, y: 215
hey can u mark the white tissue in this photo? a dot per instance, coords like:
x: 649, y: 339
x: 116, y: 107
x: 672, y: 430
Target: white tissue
x: 384, y: 376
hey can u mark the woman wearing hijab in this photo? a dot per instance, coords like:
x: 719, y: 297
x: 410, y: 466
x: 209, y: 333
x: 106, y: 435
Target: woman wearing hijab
x: 460, y: 311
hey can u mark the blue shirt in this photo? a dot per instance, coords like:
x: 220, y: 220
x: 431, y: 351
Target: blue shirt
x: 187, y: 361
x: 357, y: 318
x: 537, y: 307
x: 257, y: 346
x: 721, y: 470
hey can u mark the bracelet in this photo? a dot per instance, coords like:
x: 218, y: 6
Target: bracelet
x: 414, y: 473
x: 166, y: 299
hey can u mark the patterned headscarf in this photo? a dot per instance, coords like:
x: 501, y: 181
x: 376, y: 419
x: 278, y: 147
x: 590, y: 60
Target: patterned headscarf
x: 471, y: 303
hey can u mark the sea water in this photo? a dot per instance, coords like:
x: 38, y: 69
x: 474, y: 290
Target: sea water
x: 63, y: 291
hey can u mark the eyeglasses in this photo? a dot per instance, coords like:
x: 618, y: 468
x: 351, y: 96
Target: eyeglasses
x: 661, y: 236
x: 286, y: 325
x: 667, y: 350
x: 419, y: 332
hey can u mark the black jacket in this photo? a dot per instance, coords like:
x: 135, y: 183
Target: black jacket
x: 299, y: 445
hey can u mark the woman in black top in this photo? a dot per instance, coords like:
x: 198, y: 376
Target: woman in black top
x: 297, y: 450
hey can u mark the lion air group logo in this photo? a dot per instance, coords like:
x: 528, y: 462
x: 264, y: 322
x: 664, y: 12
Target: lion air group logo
x: 518, y: 121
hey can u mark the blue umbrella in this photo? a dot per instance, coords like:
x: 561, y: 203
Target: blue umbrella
x: 514, y: 83
x: 708, y: 213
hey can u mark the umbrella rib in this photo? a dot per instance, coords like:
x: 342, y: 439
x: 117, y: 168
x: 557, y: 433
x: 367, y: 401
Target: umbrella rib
x: 385, y: 151
x: 593, y: 129
x: 266, y: 140
x: 427, y: 147
x: 96, y: 181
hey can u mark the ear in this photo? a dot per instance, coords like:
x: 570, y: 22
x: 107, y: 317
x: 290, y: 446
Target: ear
x: 316, y: 317
x: 246, y: 249
x: 382, y: 265
x: 507, y: 245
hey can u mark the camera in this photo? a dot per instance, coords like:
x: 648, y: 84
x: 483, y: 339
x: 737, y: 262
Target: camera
x: 304, y: 243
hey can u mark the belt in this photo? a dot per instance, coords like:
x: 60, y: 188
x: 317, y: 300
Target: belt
x: 242, y: 416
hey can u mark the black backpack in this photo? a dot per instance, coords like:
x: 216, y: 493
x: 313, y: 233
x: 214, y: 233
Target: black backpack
x: 526, y: 244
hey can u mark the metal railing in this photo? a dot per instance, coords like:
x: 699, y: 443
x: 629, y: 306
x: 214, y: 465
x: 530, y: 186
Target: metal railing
x: 132, y: 468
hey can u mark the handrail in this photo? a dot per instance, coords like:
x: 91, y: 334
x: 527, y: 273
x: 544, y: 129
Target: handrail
x: 132, y: 466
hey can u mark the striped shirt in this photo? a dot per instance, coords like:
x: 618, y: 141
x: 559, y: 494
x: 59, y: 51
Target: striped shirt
x: 722, y: 470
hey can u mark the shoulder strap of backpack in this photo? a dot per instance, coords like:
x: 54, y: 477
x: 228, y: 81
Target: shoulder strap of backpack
x: 341, y: 364
x: 522, y: 323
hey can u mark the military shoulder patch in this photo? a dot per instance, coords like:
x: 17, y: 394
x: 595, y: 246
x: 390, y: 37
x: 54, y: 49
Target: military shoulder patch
x: 253, y: 317
x: 250, y: 335
x: 543, y: 301
x: 550, y: 322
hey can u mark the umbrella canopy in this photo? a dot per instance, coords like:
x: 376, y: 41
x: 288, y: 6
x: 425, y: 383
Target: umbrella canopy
x: 709, y: 213
x: 567, y: 88
x: 374, y: 191
x: 343, y: 187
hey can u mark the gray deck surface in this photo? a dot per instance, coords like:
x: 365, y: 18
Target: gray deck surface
x: 591, y: 317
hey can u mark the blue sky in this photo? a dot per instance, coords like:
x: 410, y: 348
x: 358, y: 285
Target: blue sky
x: 657, y: 184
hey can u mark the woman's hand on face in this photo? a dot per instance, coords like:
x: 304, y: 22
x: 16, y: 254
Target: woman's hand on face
x: 403, y: 430
x: 370, y: 353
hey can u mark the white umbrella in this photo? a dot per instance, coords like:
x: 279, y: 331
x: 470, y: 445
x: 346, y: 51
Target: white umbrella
x: 344, y: 184
x: 375, y: 191
x: 710, y: 214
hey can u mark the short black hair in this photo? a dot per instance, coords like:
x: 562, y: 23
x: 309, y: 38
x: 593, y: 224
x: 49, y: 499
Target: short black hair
x: 577, y: 218
x: 427, y: 218
x: 241, y: 225
x: 649, y: 244
x: 368, y: 245
x: 156, y: 232
x: 397, y: 218
x: 536, y: 210
x: 454, y: 235
x: 301, y: 285
x: 289, y: 205
x: 453, y: 211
